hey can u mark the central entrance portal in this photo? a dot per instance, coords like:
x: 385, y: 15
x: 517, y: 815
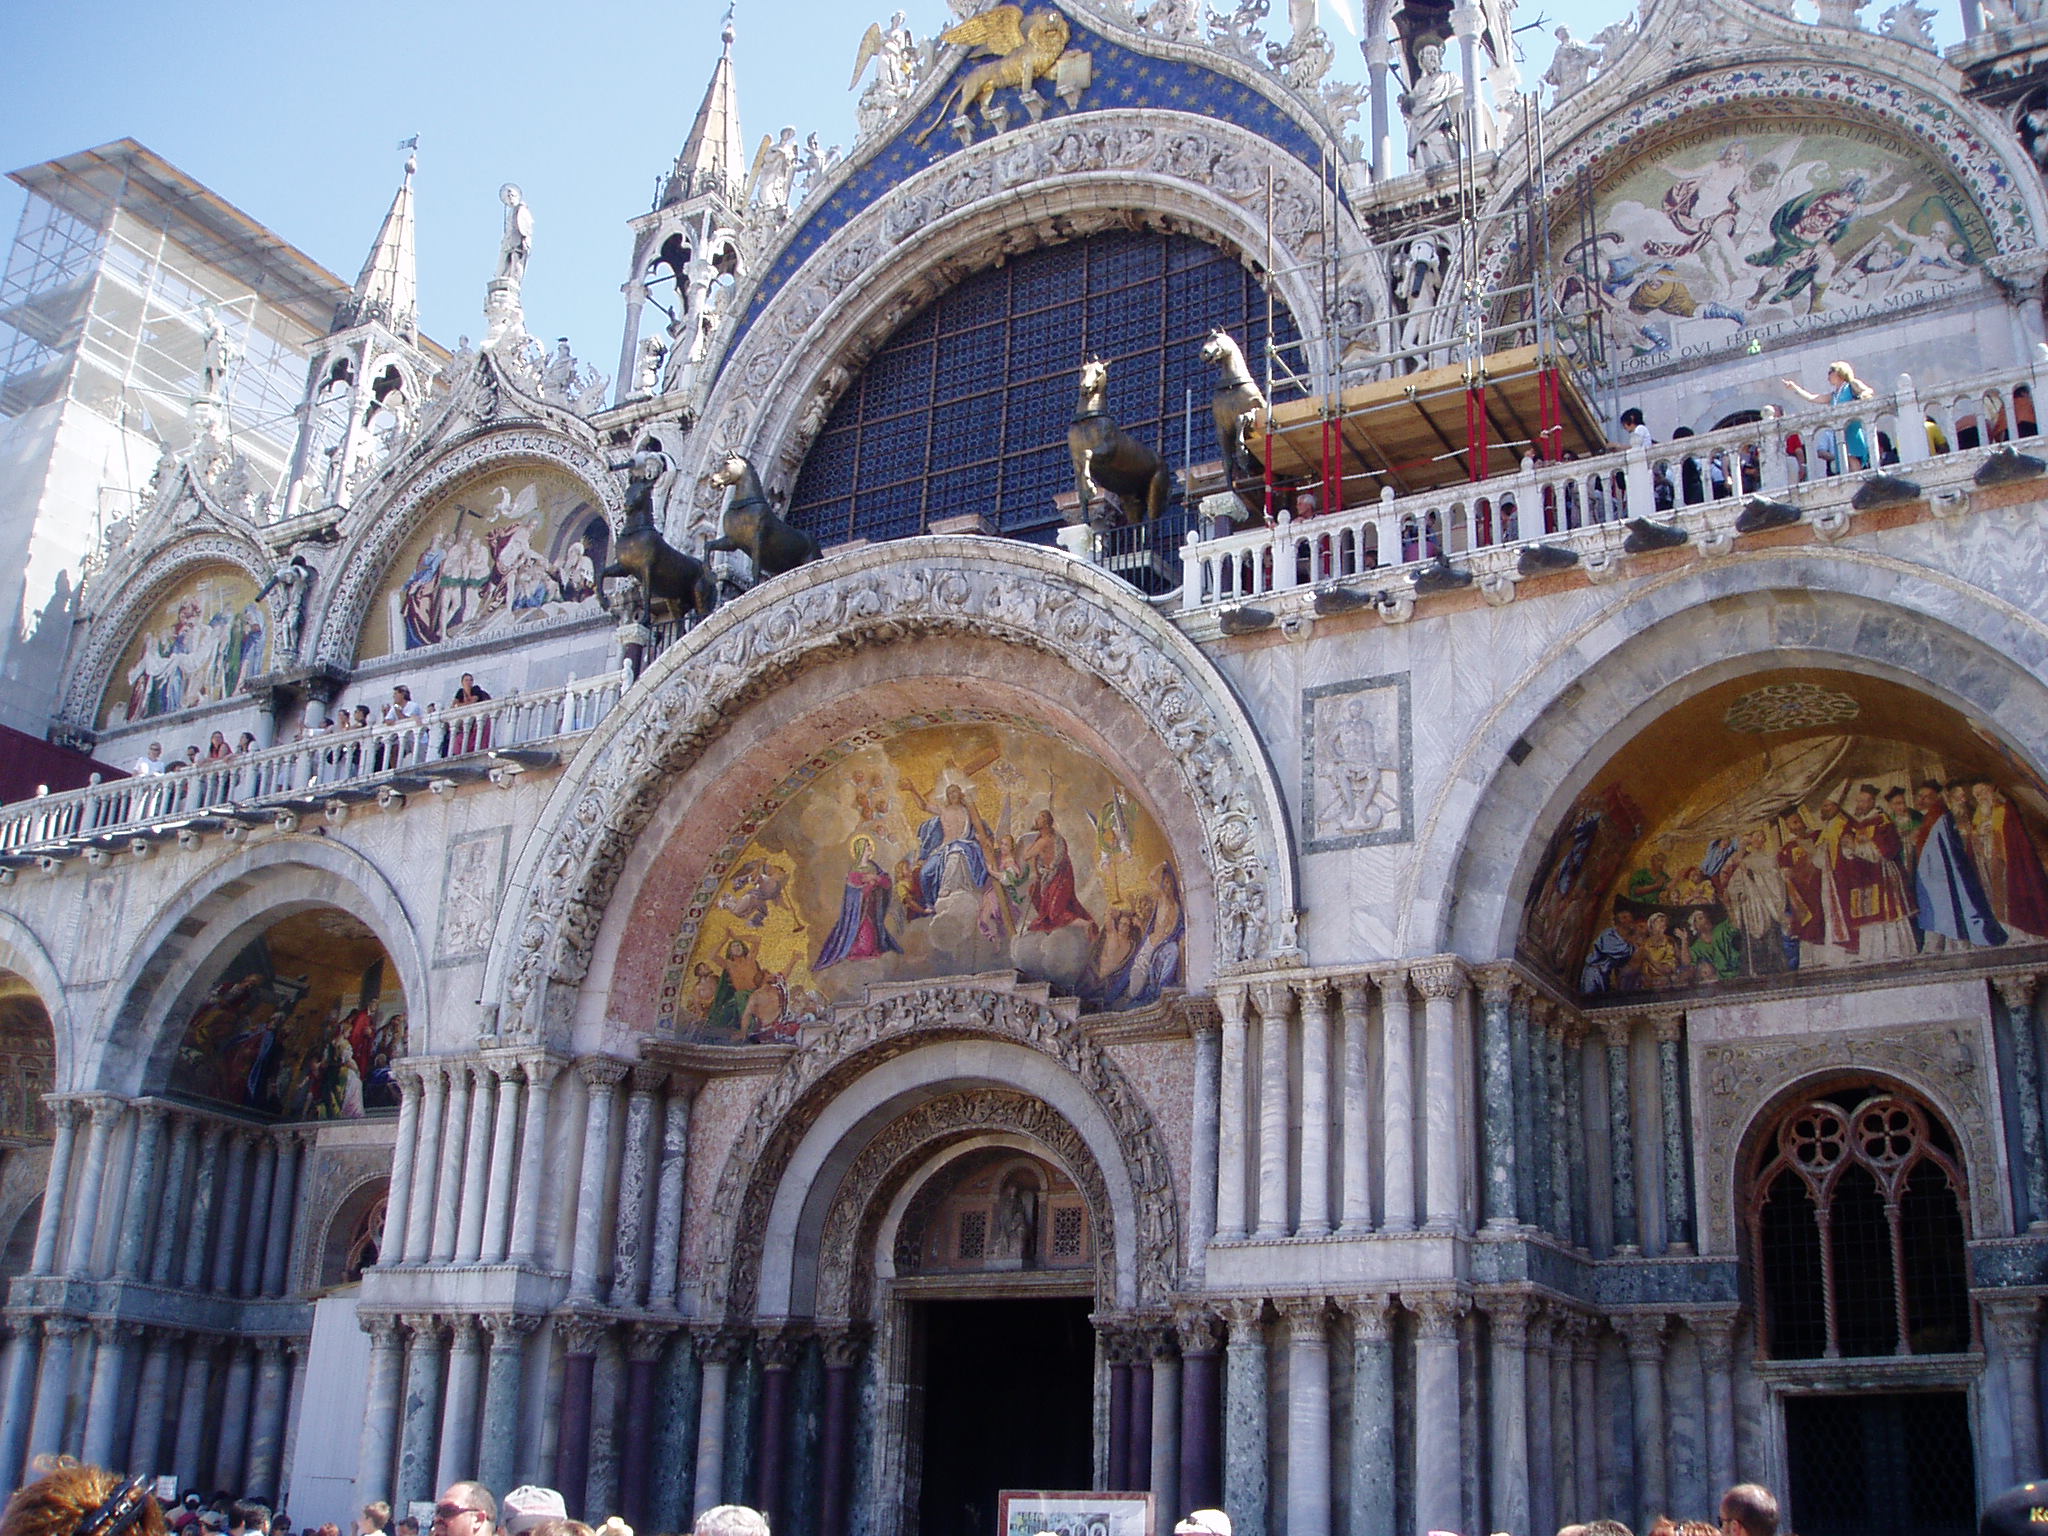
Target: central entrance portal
x: 1009, y: 1402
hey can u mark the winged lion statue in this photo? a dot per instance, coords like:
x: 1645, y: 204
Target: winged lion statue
x: 1027, y: 50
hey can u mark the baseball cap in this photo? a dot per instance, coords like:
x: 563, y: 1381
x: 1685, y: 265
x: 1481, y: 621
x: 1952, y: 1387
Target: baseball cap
x: 1204, y: 1522
x: 527, y: 1506
x: 2021, y: 1511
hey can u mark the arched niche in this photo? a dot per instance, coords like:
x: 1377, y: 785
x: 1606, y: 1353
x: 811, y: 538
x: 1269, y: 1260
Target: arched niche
x: 1784, y: 827
x: 28, y: 1062
x: 513, y: 545
x: 197, y: 642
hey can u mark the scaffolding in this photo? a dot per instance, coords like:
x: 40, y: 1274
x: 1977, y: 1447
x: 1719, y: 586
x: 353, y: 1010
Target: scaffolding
x: 1464, y: 382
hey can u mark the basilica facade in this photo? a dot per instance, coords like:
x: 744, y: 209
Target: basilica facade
x: 1173, y: 794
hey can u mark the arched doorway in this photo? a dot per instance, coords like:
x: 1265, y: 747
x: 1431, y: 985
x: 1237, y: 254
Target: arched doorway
x: 28, y: 1064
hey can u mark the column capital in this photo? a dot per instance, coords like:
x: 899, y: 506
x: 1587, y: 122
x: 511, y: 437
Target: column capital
x: 646, y: 1341
x: 110, y: 1330
x: 842, y: 1344
x: 433, y: 1076
x: 408, y: 1074
x: 1497, y: 985
x: 1616, y: 1032
x: 1667, y: 1028
x: 540, y: 1071
x: 1543, y: 1327
x: 1508, y: 1314
x: 1159, y: 1340
x: 469, y: 1338
x: 581, y: 1334
x: 780, y: 1346
x: 269, y: 1347
x: 1436, y: 1312
x: 1439, y: 979
x: 1393, y: 978
x: 1200, y: 1330
x: 2017, y: 988
x: 150, y: 1110
x: 63, y: 1327
x: 508, y: 1330
x: 1372, y: 1317
x: 105, y: 1109
x: 425, y: 1327
x: 1275, y: 1000
x: 1247, y: 1314
x: 483, y: 1074
x: 1313, y: 997
x: 382, y: 1327
x: 1572, y: 1028
x: 1118, y: 1343
x: 718, y: 1343
x: 2015, y: 1319
x: 1307, y: 1317
x: 1715, y: 1332
x: 65, y: 1111
x: 1354, y: 994
x: 1643, y: 1332
x: 1230, y: 1004
x: 602, y: 1071
x: 649, y: 1078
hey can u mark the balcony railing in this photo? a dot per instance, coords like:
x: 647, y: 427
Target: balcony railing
x: 518, y: 730
x: 1567, y: 506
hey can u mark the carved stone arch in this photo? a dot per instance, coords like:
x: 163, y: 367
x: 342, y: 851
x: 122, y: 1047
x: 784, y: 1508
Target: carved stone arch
x: 131, y: 597
x: 1007, y: 592
x: 1483, y: 830
x: 23, y: 952
x: 863, y: 1040
x: 342, y: 1203
x: 343, y: 606
x: 1205, y: 177
x: 901, y: 1154
x: 194, y: 934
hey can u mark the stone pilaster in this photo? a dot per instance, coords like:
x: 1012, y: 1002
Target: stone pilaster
x: 1669, y: 1029
x: 1644, y: 1333
x: 426, y: 1162
x: 1354, y: 1008
x: 449, y: 1183
x: 476, y: 1165
x: 1372, y: 1414
x: 378, y: 1446
x: 2017, y: 993
x: 1621, y: 1138
x: 143, y: 1193
x: 1439, y: 1433
x: 1308, y: 1414
x: 1397, y: 1100
x: 1502, y: 1095
x: 671, y: 1185
x: 1244, y: 1417
x: 1507, y: 1319
x: 66, y: 1113
x: 1441, y: 983
x: 494, y: 1243
x: 1231, y: 1203
x: 1315, y: 1110
x: 398, y: 1203
x: 424, y: 1373
x: 602, y: 1076
x: 498, y: 1452
x: 1276, y: 1007
x: 629, y: 1255
x: 533, y: 1153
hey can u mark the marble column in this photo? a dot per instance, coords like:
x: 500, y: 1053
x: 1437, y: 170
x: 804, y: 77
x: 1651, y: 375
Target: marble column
x: 1670, y: 1031
x: 1440, y: 983
x: 111, y: 1371
x: 1556, y: 1138
x: 1507, y: 1319
x: 671, y: 1184
x: 1578, y: 1192
x: 142, y: 1190
x: 1397, y: 1100
x: 636, y: 1189
x: 1372, y: 1414
x: 1543, y: 1513
x: 167, y: 1255
x: 498, y: 1456
x: 1644, y: 1333
x: 602, y: 1075
x: 645, y: 1343
x: 780, y: 1349
x: 1541, y: 1093
x: 842, y: 1348
x: 1525, y: 1098
x: 1201, y: 1473
x: 1716, y: 1334
x: 1276, y: 1006
x: 1621, y: 1140
x: 1244, y: 1417
x: 230, y: 1206
x: 580, y: 1339
x: 284, y: 1204
x: 423, y: 1378
x: 152, y: 1403
x: 448, y: 1184
x: 1308, y: 1414
x: 461, y: 1404
x: 1138, y: 1427
x: 717, y: 1349
x: 192, y: 1420
x: 1356, y: 1156
x: 1580, y: 1332
x: 533, y: 1154
x: 1164, y: 1473
x: 1439, y: 1436
x: 267, y: 1421
x: 497, y: 1233
x: 66, y: 1113
x: 1315, y: 1110
x: 476, y: 1165
x: 1235, y: 1114
x: 1116, y: 1352
x: 255, y: 1243
x: 17, y: 1406
x: 2016, y: 1323
x: 426, y: 1163
x: 1502, y: 1107
x: 106, y: 1115
x: 398, y: 1203
x: 378, y: 1445
x: 1203, y: 1141
x: 2017, y: 993
x: 53, y: 1386
x: 1564, y: 1479
x: 231, y: 1447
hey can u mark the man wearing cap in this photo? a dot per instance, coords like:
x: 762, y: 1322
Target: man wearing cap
x: 527, y: 1506
x: 188, y: 1512
x: 730, y: 1520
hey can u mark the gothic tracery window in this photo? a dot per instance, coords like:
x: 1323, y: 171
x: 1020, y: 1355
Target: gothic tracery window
x: 1857, y: 1225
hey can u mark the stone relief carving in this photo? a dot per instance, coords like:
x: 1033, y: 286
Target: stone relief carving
x: 1356, y: 749
x: 861, y: 1039
x: 1023, y: 599
x: 1736, y: 1080
x: 471, y: 889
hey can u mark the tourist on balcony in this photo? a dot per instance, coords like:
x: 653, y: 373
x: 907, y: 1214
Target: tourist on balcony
x: 475, y: 735
x: 192, y: 757
x: 1844, y: 388
x: 218, y: 749
x: 402, y: 711
x: 150, y: 764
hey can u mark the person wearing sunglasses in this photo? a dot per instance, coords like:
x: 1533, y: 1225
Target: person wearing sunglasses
x: 465, y: 1509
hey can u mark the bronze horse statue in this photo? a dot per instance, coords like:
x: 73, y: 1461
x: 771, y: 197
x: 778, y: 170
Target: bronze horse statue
x: 660, y: 572
x: 751, y: 525
x: 1236, y: 405
x: 1108, y: 460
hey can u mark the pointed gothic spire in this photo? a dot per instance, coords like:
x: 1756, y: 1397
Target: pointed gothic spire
x: 714, y: 156
x: 388, y: 288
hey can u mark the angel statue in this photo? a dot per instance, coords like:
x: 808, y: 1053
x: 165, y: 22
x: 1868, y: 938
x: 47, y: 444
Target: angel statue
x: 1026, y: 49
x: 517, y: 242
x: 774, y: 169
x: 893, y: 51
x: 814, y: 164
x: 1571, y: 65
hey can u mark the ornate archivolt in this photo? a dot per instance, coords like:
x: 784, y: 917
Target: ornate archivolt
x: 1040, y: 182
x: 862, y: 1040
x: 342, y: 604
x: 892, y: 593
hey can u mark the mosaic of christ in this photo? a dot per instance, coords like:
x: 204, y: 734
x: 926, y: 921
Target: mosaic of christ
x: 942, y: 849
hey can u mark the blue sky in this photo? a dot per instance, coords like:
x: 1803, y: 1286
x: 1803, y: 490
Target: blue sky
x: 292, y: 111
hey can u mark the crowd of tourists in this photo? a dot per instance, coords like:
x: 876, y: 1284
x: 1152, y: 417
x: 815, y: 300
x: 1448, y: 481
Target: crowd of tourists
x: 69, y: 1498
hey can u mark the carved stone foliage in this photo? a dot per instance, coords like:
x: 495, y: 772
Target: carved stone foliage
x: 1739, y: 1079
x: 888, y: 262
x: 130, y: 593
x: 384, y: 527
x: 893, y: 593
x: 844, y: 1269
x: 862, y: 1039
